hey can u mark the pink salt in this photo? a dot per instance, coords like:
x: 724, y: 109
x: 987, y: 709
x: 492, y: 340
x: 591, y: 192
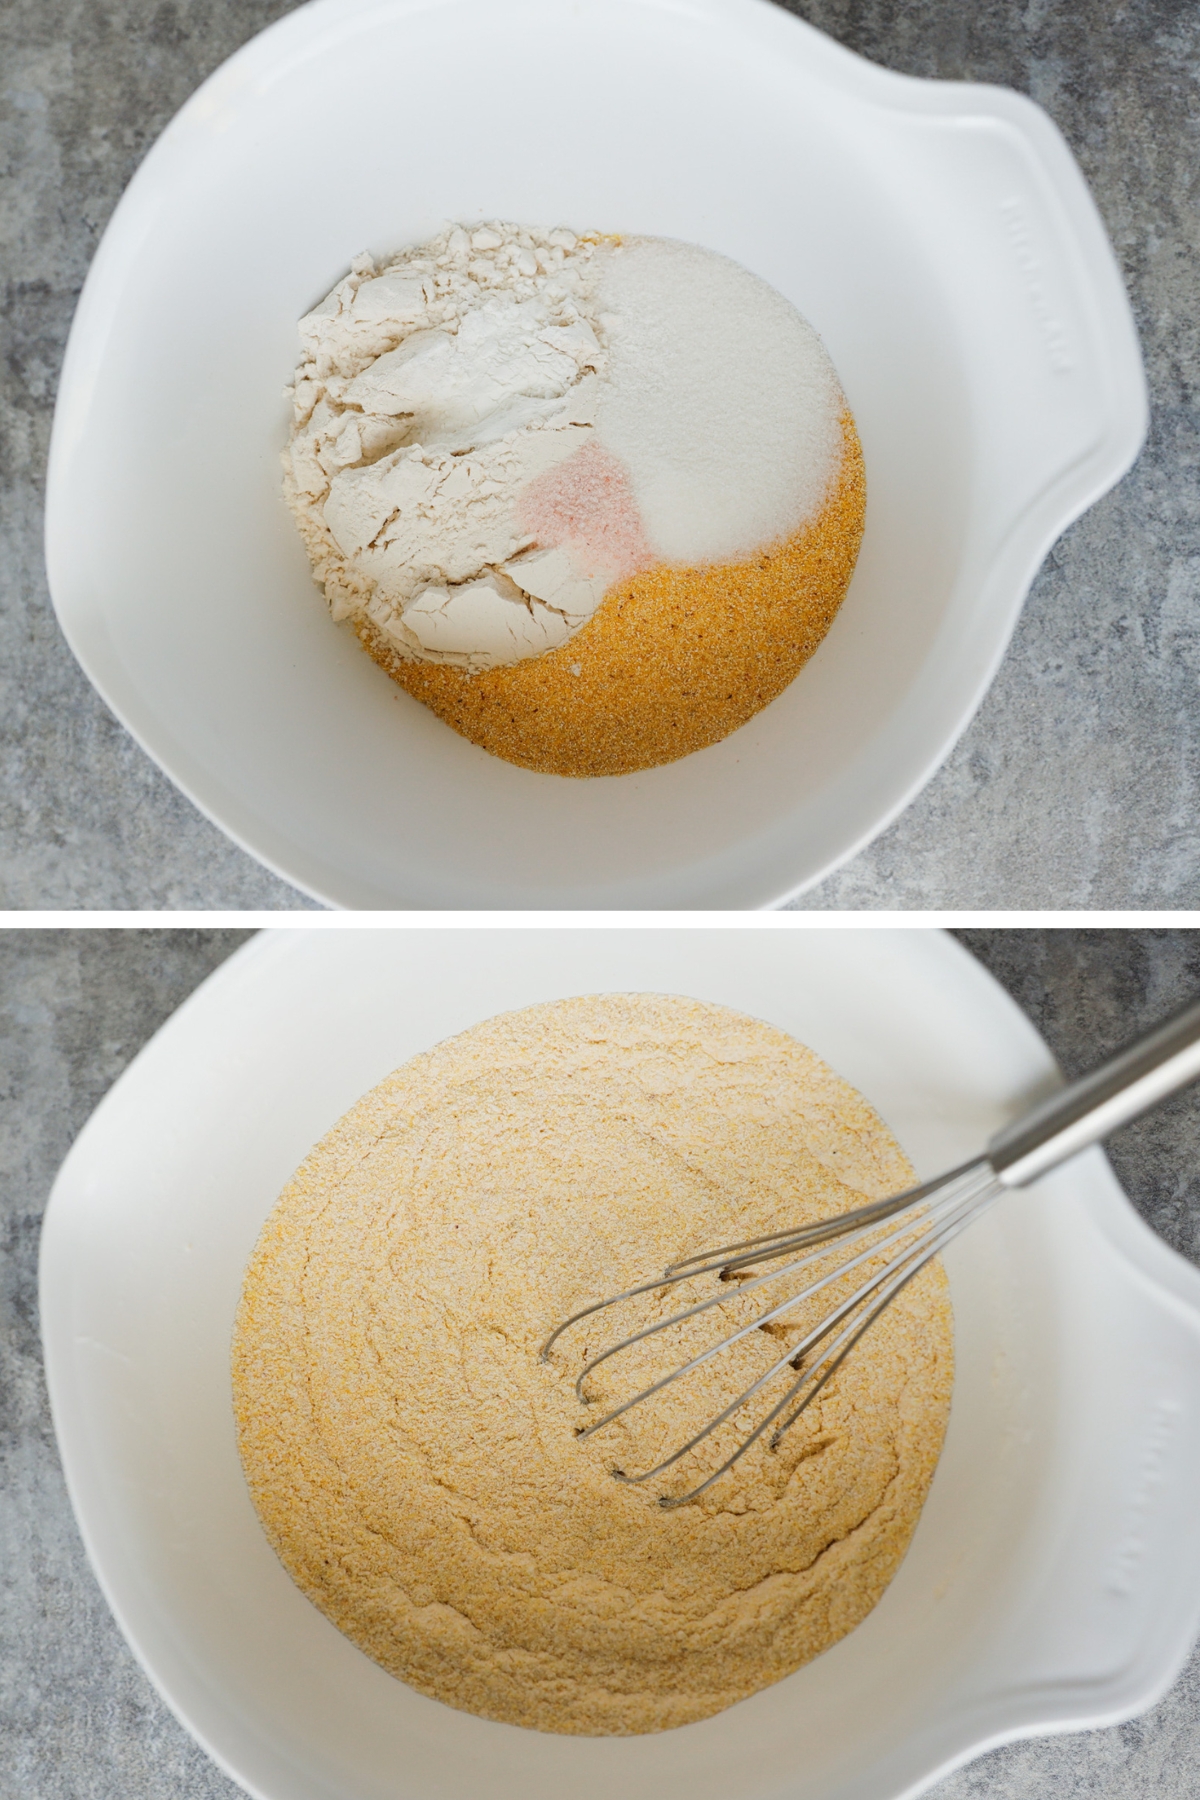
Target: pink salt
x: 588, y: 500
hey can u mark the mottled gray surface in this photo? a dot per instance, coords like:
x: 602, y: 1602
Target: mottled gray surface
x: 78, y: 1721
x: 86, y: 819
x: 1078, y: 783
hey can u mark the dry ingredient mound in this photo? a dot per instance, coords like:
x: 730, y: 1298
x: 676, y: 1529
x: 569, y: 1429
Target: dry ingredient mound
x: 514, y: 447
x: 415, y: 1466
x: 673, y: 661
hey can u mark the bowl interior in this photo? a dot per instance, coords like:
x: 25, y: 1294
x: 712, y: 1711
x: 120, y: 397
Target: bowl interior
x: 181, y: 580
x: 160, y: 1205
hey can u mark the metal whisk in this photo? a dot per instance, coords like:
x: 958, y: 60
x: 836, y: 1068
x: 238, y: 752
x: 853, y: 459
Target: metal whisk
x: 908, y: 1229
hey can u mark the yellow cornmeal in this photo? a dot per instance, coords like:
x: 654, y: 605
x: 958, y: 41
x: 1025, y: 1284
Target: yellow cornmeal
x: 417, y: 1468
x: 672, y: 660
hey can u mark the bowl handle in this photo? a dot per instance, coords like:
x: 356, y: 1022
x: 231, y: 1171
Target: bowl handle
x: 1111, y: 1615
x: 1047, y: 339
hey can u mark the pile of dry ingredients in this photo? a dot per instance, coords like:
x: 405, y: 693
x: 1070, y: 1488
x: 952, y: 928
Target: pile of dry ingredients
x: 416, y: 1466
x: 594, y: 501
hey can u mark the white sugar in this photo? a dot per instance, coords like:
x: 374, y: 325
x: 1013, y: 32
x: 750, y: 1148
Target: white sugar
x: 721, y: 401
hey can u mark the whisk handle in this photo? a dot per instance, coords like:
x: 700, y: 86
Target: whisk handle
x: 1136, y: 1079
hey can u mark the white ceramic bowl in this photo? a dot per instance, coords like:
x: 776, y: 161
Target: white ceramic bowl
x: 940, y: 238
x: 1054, y: 1578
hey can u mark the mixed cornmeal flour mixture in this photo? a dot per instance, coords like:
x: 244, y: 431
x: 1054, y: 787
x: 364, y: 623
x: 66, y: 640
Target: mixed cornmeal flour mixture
x: 594, y: 501
x: 416, y: 1466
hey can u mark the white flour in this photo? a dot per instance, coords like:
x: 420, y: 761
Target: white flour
x: 430, y: 394
x: 434, y: 391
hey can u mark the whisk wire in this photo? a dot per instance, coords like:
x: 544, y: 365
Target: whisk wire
x: 840, y: 1228
x: 905, y: 1271
x: 848, y: 1238
x: 935, y: 1211
x: 728, y: 1256
x: 820, y: 1373
x: 868, y: 1254
x: 700, y: 1306
x: 902, y: 1268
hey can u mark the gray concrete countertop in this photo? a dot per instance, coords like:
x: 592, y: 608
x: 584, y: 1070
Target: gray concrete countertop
x: 1078, y: 783
x: 78, y: 1720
